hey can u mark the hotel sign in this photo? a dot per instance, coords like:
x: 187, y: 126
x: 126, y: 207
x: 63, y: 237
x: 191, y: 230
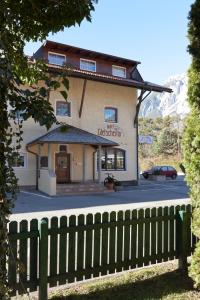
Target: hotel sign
x: 111, y: 130
x: 145, y: 139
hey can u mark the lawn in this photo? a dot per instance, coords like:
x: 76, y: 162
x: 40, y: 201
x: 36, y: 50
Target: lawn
x: 159, y: 282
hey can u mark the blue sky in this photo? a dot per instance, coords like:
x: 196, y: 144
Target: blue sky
x: 153, y: 32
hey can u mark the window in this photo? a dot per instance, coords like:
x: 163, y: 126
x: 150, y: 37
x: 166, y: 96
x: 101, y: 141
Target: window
x: 63, y: 148
x: 56, y: 59
x: 164, y: 169
x: 63, y: 108
x: 171, y: 169
x: 120, y: 161
x: 110, y: 115
x: 113, y: 159
x: 44, y: 161
x: 110, y: 159
x: 88, y: 65
x: 119, y: 71
x: 20, y: 161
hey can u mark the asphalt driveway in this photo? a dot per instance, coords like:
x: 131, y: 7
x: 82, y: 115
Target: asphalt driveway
x: 37, y: 205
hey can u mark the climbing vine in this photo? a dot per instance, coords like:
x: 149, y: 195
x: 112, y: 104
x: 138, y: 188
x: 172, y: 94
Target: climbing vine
x: 20, y: 91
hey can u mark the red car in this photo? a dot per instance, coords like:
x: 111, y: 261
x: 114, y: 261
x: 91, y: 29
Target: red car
x: 167, y: 171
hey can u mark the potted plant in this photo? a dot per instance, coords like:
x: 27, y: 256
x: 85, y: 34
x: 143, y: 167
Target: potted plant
x: 109, y: 182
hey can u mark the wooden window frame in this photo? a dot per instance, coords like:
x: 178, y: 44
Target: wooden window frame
x: 116, y: 114
x: 58, y: 54
x: 63, y: 101
x: 119, y: 67
x: 88, y: 60
x: 25, y: 162
x: 115, y: 159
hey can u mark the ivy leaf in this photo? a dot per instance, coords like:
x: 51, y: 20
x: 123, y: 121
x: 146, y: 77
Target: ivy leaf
x: 65, y: 82
x: 64, y: 94
x: 42, y: 92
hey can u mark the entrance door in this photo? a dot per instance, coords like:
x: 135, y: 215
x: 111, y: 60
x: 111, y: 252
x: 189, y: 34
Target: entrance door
x: 62, y: 167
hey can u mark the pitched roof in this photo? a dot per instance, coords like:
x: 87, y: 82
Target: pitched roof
x: 136, y: 81
x: 68, y: 134
x: 92, y: 54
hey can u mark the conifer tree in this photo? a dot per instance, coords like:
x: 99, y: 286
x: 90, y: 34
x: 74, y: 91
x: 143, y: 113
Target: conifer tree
x: 191, y: 144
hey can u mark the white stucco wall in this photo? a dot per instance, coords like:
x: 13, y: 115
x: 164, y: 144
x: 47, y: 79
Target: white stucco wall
x: 97, y: 96
x: 47, y: 182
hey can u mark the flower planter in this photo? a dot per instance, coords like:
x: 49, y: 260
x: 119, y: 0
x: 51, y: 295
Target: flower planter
x: 110, y: 185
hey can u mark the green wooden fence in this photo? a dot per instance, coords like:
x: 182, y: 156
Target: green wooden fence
x: 68, y: 249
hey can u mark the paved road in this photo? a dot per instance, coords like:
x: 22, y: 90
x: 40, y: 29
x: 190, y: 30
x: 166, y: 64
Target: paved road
x: 36, y: 205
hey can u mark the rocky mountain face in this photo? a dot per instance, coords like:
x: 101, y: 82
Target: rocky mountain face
x: 165, y: 104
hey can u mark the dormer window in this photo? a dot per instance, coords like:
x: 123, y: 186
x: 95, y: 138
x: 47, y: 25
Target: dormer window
x: 88, y: 65
x: 119, y: 71
x: 56, y: 59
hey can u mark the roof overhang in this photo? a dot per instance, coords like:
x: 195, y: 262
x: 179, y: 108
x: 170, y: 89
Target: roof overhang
x: 67, y: 134
x: 142, y: 85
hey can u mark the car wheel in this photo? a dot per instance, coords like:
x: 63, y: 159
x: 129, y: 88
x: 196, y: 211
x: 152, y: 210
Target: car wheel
x: 174, y: 176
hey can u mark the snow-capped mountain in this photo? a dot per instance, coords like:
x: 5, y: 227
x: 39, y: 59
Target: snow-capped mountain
x: 166, y: 104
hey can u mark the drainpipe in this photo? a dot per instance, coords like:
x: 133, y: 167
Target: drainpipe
x: 94, y: 169
x: 137, y: 154
x: 37, y: 162
x: 140, y: 99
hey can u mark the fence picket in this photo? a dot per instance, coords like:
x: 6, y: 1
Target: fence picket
x: 104, y: 255
x: 80, y: 247
x: 97, y: 237
x: 140, y: 238
x: 53, y: 251
x: 112, y: 241
x: 43, y: 259
x: 147, y: 237
x: 134, y: 234
x: 159, y: 234
x: 23, y: 253
x: 177, y: 237
x: 171, y: 233
x: 153, y: 237
x: 127, y: 240
x: 72, y: 249
x: 12, y: 259
x: 63, y: 250
x: 88, y: 248
x: 119, y: 240
x: 33, y: 259
x: 165, y: 232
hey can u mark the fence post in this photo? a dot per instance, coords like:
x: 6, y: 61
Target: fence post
x: 43, y: 259
x: 182, y: 239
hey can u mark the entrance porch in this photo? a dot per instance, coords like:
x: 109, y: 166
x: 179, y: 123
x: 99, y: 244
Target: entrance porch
x: 67, y: 161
